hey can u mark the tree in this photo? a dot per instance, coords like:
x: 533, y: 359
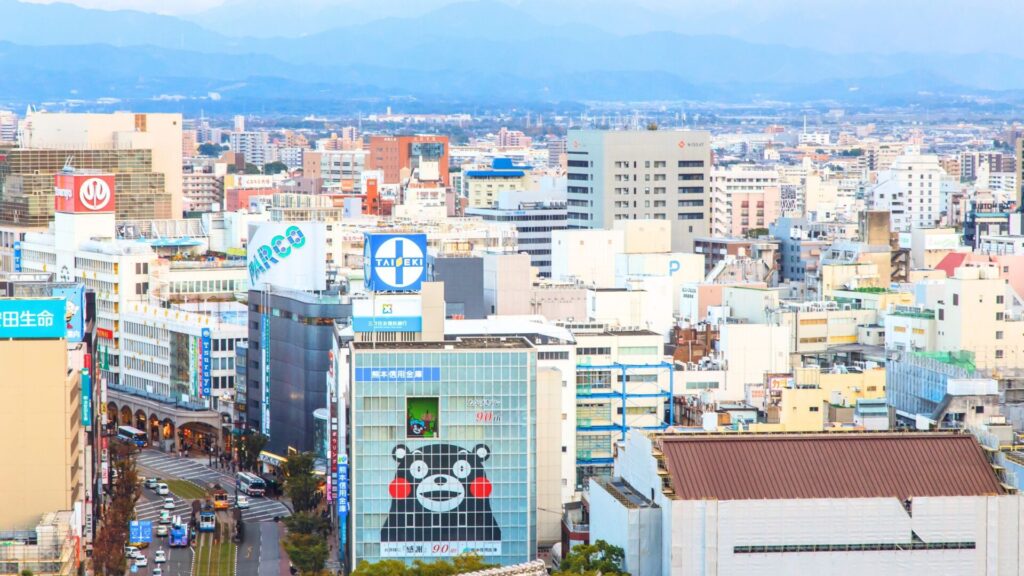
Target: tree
x: 275, y: 167
x: 300, y: 484
x: 307, y: 523
x: 108, y: 548
x: 307, y: 552
x: 211, y: 150
x: 459, y: 565
x: 251, y: 168
x: 599, y: 557
x: 250, y: 447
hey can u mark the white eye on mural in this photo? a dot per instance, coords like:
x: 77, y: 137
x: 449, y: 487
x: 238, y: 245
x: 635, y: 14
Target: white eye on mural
x: 461, y: 469
x: 419, y: 469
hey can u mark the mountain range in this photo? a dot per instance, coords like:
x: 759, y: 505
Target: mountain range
x: 480, y: 51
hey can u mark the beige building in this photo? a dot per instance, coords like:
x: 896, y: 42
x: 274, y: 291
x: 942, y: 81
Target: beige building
x: 40, y: 426
x: 640, y: 175
x: 160, y: 133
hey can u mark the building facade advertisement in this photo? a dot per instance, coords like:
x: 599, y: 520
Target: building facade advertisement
x: 83, y: 193
x: 394, y: 262
x: 17, y: 255
x: 388, y: 313
x: 75, y: 313
x: 205, y: 363
x: 458, y: 476
x: 32, y: 318
x: 86, y: 398
x: 265, y: 352
x: 288, y: 255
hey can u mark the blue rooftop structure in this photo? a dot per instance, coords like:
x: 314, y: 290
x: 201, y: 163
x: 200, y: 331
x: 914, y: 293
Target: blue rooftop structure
x: 500, y: 168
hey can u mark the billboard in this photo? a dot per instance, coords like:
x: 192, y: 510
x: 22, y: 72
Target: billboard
x: 83, y: 193
x: 75, y: 313
x: 265, y: 352
x: 440, y: 503
x: 288, y: 256
x: 86, y: 398
x: 388, y: 313
x: 394, y: 262
x: 34, y: 318
x: 17, y: 255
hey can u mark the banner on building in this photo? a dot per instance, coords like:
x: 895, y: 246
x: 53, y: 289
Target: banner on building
x: 206, y: 362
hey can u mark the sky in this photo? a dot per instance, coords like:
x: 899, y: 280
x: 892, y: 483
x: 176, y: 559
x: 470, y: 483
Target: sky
x: 176, y: 7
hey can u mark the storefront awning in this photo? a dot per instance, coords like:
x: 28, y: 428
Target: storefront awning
x: 272, y: 459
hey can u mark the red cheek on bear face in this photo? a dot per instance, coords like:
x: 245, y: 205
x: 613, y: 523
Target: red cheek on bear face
x: 480, y: 487
x: 400, y: 488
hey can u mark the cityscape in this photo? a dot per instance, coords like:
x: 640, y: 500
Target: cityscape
x: 511, y: 287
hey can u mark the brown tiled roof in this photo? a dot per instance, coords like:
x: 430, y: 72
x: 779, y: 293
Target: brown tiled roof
x: 788, y: 466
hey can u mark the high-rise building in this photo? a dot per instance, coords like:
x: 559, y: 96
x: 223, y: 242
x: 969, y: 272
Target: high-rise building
x: 394, y: 155
x: 483, y: 186
x: 254, y: 146
x: 743, y: 197
x: 534, y: 218
x: 636, y: 175
x: 8, y: 127
x: 911, y: 190
x: 127, y: 137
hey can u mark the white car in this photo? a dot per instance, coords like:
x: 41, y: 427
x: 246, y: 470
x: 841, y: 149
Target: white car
x: 141, y: 562
x: 161, y: 530
x: 132, y: 552
x: 169, y: 504
x: 160, y: 556
x: 162, y: 489
x: 165, y: 517
x: 242, y: 502
x: 157, y: 571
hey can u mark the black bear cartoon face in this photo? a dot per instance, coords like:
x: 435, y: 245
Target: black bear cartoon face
x: 440, y: 492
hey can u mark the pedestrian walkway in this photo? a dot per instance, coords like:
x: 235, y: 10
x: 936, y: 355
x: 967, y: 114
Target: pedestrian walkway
x: 163, y: 465
x: 150, y: 509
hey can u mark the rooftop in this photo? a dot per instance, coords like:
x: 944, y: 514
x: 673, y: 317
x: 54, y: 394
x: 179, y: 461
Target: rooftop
x: 962, y: 359
x: 827, y: 465
x: 462, y: 344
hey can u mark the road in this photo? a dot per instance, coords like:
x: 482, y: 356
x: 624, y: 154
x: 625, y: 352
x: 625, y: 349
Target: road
x: 165, y: 466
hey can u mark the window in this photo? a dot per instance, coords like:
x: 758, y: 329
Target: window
x: 999, y: 353
x: 594, y: 351
x: 563, y: 355
x: 942, y: 314
x: 956, y: 299
x: 999, y: 315
x: 999, y: 334
x: 979, y: 409
x: 691, y: 164
x: 637, y: 350
x: 999, y: 299
x: 813, y: 408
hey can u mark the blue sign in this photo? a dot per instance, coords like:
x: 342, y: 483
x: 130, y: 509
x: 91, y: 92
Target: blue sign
x: 265, y: 351
x: 388, y: 324
x: 206, y: 362
x: 342, y: 485
x: 140, y: 531
x: 394, y: 262
x: 75, y: 297
x: 34, y: 318
x: 17, y: 256
x: 398, y: 374
x: 86, y: 398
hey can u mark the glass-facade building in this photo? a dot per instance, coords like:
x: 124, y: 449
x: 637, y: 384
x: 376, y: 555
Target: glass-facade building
x: 443, y: 450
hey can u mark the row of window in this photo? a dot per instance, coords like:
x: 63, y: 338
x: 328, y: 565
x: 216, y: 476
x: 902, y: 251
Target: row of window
x: 888, y: 546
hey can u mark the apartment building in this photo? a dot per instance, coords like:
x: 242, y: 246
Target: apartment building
x: 636, y: 175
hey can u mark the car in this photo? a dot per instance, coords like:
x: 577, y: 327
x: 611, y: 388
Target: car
x: 152, y: 482
x: 165, y: 517
x: 131, y: 552
x: 160, y: 556
x: 161, y: 530
x: 242, y: 501
x: 169, y: 503
x: 141, y: 562
x: 162, y: 489
x: 157, y: 571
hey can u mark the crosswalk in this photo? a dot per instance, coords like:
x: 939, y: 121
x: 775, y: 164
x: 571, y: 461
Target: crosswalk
x: 150, y: 509
x: 155, y: 463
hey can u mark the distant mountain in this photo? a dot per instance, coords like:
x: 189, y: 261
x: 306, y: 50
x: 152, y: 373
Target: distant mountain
x: 480, y: 51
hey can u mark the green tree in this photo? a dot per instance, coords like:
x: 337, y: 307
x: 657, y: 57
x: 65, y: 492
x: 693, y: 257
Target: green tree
x: 459, y: 565
x: 307, y: 552
x: 249, y: 449
x: 300, y: 484
x: 211, y: 150
x: 307, y: 523
x: 597, y: 558
x: 251, y: 168
x: 112, y: 535
x: 275, y: 167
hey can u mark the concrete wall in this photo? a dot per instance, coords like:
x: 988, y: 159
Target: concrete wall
x: 549, y: 456
x: 39, y: 420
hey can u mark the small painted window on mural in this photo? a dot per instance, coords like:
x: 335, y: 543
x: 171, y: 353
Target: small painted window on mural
x: 422, y: 417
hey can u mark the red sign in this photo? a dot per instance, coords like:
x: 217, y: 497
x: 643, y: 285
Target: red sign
x: 83, y: 193
x: 104, y: 333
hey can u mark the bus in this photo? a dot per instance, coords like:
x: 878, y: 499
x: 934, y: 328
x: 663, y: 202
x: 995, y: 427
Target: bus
x: 179, y: 536
x: 132, y: 435
x: 220, y: 499
x: 207, y: 520
x: 250, y: 484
